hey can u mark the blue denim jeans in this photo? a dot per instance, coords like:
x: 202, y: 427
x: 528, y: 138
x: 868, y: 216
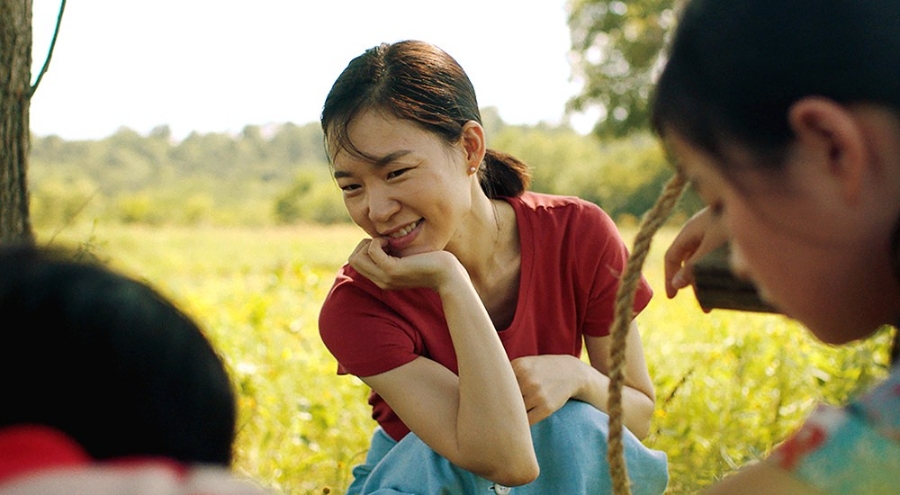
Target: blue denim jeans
x: 571, y: 448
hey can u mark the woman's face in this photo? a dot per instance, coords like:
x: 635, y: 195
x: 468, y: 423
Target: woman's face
x: 414, y: 193
x: 809, y: 255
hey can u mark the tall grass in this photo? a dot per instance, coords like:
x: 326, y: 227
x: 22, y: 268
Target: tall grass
x: 730, y: 385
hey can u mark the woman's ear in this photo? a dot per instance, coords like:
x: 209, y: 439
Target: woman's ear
x: 830, y: 134
x: 474, y: 144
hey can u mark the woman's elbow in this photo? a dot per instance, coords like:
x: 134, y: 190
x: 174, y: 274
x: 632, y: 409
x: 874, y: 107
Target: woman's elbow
x: 518, y: 473
x: 640, y: 427
x: 640, y: 416
x: 508, y: 466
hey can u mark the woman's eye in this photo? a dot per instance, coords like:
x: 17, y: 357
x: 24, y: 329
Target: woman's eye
x: 349, y: 187
x: 397, y: 173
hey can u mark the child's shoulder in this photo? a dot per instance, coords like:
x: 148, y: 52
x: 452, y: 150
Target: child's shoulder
x: 852, y: 449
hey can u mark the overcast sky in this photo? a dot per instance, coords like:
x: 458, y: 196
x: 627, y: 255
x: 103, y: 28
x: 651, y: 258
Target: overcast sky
x: 218, y: 65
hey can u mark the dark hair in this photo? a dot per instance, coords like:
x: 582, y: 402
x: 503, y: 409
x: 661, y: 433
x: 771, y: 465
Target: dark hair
x: 418, y: 82
x: 109, y: 361
x: 735, y: 68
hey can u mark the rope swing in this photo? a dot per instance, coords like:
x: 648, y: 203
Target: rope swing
x: 624, y: 313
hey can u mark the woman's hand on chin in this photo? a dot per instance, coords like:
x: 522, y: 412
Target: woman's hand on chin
x: 425, y: 270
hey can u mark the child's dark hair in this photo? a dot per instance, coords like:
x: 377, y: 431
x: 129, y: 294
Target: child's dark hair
x: 110, y: 362
x: 735, y: 68
x: 420, y: 83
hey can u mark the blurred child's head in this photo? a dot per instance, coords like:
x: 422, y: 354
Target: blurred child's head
x: 110, y: 362
x: 784, y: 114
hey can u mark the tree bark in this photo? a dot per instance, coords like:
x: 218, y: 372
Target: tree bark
x: 15, y: 103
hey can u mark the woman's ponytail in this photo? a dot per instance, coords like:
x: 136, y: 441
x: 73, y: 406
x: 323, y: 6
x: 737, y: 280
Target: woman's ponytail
x: 503, y: 175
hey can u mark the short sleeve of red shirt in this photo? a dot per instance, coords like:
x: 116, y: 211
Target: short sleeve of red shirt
x: 365, y: 332
x: 370, y: 330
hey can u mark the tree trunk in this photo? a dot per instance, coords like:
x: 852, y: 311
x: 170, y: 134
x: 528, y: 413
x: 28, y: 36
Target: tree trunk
x: 15, y: 102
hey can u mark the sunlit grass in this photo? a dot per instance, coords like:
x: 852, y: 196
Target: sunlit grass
x: 730, y: 385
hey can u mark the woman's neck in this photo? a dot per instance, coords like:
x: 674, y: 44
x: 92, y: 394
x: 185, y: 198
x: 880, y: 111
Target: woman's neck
x: 488, y: 242
x: 493, y: 262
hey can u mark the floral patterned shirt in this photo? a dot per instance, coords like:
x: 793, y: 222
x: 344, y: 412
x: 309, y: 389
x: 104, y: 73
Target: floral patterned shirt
x: 854, y: 449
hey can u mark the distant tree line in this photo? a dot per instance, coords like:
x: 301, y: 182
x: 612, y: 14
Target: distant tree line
x: 279, y: 174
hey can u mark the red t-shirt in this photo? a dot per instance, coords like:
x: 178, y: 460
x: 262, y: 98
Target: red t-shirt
x: 39, y: 459
x: 571, y: 260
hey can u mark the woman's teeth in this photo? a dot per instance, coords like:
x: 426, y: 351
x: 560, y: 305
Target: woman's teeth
x: 405, y: 230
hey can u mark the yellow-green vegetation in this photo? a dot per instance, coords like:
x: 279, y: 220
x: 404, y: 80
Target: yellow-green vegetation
x: 730, y: 385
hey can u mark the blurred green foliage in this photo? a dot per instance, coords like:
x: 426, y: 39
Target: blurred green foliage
x: 617, y: 50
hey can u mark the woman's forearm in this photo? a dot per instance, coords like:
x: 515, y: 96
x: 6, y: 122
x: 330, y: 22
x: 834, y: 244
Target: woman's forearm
x: 492, y: 426
x: 637, y: 407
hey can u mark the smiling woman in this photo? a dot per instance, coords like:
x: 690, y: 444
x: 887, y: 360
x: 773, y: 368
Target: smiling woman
x: 465, y: 322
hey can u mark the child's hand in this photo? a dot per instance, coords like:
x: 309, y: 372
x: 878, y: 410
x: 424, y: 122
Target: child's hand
x: 701, y: 234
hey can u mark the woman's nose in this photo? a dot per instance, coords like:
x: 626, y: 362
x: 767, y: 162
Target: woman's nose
x: 381, y: 205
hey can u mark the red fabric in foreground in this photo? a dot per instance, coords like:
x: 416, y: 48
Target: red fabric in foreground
x: 37, y: 459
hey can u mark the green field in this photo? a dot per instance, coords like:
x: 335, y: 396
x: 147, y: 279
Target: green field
x: 729, y: 385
